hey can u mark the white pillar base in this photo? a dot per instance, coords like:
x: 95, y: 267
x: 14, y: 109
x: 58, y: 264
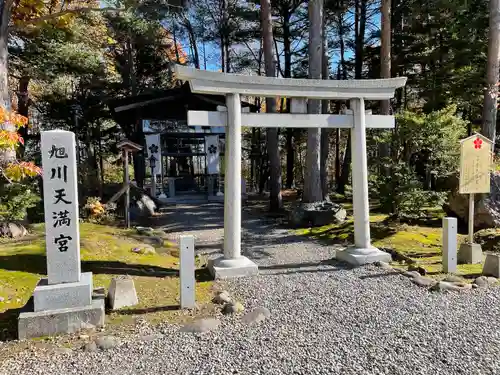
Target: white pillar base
x: 358, y: 256
x: 222, y: 268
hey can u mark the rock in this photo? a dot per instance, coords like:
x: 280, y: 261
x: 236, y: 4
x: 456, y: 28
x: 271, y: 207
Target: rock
x: 152, y: 337
x: 106, y: 342
x: 453, y: 279
x: 411, y: 274
x: 154, y: 240
x: 144, y: 230
x: 90, y: 347
x: 484, y: 282
x: 144, y: 249
x: 145, y: 206
x: 256, y: 315
x: 492, y: 280
x: 317, y: 214
x: 444, y: 286
x: 423, y: 281
x: 12, y: 230
x: 233, y: 308
x: 64, y: 351
x: 122, y: 293
x: 201, y: 325
x: 83, y: 337
x: 487, y: 206
x: 491, y: 265
x: 222, y: 298
x: 99, y: 293
x: 383, y: 265
x: 418, y: 269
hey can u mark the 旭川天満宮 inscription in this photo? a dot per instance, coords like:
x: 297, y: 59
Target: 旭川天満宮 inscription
x: 61, y: 206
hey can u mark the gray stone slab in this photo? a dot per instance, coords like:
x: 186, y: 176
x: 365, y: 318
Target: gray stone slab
x: 359, y: 257
x: 61, y: 206
x: 492, y: 265
x: 60, y: 296
x: 122, y: 293
x: 242, y: 268
x: 62, y: 321
x: 470, y: 253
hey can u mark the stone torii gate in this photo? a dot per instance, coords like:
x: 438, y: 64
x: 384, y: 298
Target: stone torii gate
x: 232, y: 263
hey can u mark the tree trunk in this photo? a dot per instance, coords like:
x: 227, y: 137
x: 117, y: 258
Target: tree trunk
x: 275, y: 199
x: 312, y: 183
x: 359, y: 37
x: 23, y: 109
x: 343, y: 67
x: 192, y: 41
x: 360, y: 27
x: 6, y: 156
x: 325, y: 133
x: 222, y: 54
x: 287, y: 52
x: 385, y: 71
x: 491, y: 91
x: 385, y: 50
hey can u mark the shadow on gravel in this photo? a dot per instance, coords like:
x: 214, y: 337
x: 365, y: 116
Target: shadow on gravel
x: 207, y: 216
x: 291, y: 268
x: 301, y: 265
x: 379, y: 275
x: 147, y: 310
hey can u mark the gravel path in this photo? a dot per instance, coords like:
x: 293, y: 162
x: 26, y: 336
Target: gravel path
x: 325, y: 319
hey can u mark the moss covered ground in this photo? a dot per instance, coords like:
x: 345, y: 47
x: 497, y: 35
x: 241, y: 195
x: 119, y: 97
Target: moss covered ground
x: 420, y: 241
x: 106, y: 251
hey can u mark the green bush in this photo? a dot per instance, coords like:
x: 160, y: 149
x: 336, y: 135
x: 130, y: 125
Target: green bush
x: 427, y: 142
x: 16, y: 199
x: 113, y: 173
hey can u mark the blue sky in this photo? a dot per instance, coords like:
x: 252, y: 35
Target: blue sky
x: 214, y: 62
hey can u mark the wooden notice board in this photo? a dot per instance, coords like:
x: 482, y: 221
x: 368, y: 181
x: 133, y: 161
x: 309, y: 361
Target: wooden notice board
x: 476, y: 153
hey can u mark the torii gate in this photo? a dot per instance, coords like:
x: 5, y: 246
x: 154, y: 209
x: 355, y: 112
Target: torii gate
x: 232, y: 263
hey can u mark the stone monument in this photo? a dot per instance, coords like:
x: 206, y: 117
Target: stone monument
x: 62, y: 302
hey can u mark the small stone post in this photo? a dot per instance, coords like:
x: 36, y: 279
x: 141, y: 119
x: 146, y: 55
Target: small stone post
x: 187, y: 272
x: 450, y: 244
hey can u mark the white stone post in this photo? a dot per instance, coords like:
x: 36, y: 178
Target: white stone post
x: 449, y: 244
x: 362, y: 252
x: 232, y: 264
x: 187, y: 272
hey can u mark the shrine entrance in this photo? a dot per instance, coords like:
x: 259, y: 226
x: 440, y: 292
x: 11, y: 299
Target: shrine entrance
x: 232, y: 263
x: 185, y: 160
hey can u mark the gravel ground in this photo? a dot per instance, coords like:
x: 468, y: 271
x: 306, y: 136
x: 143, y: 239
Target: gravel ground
x: 325, y: 319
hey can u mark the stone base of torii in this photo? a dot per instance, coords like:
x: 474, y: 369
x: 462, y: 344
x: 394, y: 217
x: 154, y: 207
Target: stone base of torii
x: 232, y: 263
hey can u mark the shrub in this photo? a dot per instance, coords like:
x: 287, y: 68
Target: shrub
x: 15, y: 200
x: 423, y: 145
x: 97, y: 212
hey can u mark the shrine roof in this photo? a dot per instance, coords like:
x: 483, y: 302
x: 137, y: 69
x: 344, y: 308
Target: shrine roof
x: 169, y: 104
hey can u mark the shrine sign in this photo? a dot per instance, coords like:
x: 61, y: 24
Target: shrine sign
x: 476, y: 154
